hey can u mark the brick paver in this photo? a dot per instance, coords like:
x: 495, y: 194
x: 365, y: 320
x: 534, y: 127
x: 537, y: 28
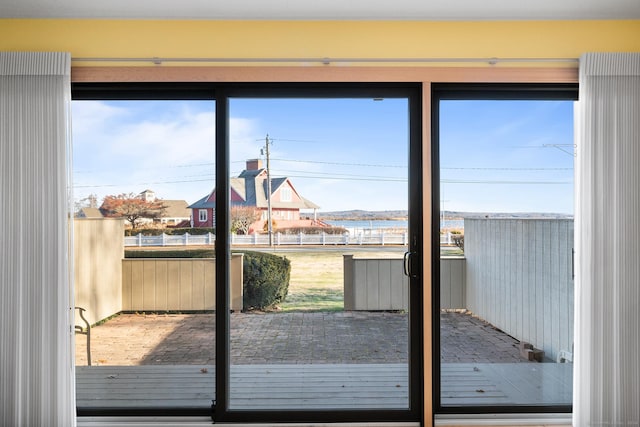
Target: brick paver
x: 467, y: 339
x: 341, y: 337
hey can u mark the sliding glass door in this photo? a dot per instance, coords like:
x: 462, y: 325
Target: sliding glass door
x: 144, y: 274
x: 504, y: 254
x: 249, y: 252
x: 320, y: 217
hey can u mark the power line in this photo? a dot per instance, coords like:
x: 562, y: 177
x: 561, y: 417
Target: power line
x: 142, y: 183
x: 341, y: 163
x: 346, y: 175
x: 212, y: 164
x: 335, y: 178
x: 507, y: 169
x: 461, y: 181
x: 295, y: 140
x: 348, y: 178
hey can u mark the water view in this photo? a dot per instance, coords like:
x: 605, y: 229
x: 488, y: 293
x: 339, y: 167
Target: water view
x: 358, y: 226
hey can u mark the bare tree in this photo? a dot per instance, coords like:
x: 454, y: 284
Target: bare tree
x: 458, y: 240
x: 91, y: 201
x: 242, y: 217
x: 132, y: 208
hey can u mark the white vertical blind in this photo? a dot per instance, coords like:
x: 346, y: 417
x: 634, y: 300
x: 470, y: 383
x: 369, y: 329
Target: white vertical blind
x: 36, y: 365
x: 607, y: 307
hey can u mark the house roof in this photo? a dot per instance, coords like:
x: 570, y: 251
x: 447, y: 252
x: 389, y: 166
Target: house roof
x: 251, y: 187
x: 309, y: 204
x: 238, y: 185
x: 176, y: 209
x: 203, y: 203
x: 90, y: 213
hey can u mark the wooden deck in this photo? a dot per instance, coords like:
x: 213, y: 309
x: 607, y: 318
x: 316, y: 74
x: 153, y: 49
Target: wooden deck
x: 344, y: 386
x: 318, y: 386
x: 510, y: 384
x: 145, y: 386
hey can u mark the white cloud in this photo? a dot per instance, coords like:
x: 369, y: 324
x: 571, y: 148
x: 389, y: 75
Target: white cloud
x: 172, y: 155
x: 90, y: 117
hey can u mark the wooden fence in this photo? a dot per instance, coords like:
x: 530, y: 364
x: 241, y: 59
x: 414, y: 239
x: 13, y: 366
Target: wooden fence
x: 453, y: 282
x: 97, y: 261
x: 519, y: 278
x: 178, y: 284
x: 375, y: 284
x: 380, y: 283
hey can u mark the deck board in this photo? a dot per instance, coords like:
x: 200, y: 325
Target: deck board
x: 319, y: 386
x: 252, y: 386
x: 465, y: 384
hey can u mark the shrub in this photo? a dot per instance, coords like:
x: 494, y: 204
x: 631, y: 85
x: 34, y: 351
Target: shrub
x: 168, y: 231
x: 274, y: 225
x: 170, y: 253
x: 312, y: 230
x: 265, y: 280
x: 458, y: 240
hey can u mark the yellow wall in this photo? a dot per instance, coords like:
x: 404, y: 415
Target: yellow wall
x: 303, y: 39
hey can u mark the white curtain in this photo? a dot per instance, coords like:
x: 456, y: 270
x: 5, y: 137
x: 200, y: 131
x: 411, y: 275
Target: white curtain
x: 607, y: 305
x: 36, y: 365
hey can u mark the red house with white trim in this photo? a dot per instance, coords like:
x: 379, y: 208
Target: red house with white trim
x: 250, y: 189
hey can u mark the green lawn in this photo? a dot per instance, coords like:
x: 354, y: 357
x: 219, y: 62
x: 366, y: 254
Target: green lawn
x: 317, y: 279
x: 316, y: 282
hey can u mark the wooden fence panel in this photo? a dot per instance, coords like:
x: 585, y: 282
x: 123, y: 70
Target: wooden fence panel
x: 519, y: 278
x: 157, y: 284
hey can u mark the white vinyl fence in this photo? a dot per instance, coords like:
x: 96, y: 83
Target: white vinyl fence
x: 382, y: 238
x: 169, y: 240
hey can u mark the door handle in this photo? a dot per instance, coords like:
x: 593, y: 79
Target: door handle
x: 406, y: 264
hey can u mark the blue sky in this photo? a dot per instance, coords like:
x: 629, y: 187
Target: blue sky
x: 507, y: 156
x: 341, y: 154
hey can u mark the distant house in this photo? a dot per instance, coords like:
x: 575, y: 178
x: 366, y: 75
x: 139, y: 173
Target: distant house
x: 89, y: 213
x: 250, y: 189
x: 176, y: 211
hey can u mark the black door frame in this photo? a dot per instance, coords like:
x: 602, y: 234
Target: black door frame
x: 143, y: 92
x: 221, y: 93
x: 474, y: 91
x: 413, y: 93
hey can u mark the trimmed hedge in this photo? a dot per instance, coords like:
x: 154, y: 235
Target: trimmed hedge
x: 312, y: 230
x: 171, y: 253
x: 266, y: 280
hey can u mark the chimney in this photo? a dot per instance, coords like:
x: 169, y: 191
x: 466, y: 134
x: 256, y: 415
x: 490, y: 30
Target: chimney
x: 254, y: 164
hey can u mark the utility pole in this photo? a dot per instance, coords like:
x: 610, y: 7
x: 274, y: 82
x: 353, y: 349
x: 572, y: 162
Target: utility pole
x: 269, y: 224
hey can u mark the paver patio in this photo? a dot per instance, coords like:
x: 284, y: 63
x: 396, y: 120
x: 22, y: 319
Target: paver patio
x: 299, y: 338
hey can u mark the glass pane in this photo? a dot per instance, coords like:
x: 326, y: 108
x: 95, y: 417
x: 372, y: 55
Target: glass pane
x: 506, y: 230
x: 319, y: 221
x: 144, y: 277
